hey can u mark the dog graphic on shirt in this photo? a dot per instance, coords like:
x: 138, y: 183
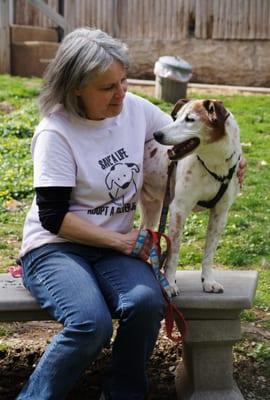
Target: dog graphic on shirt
x: 120, y: 180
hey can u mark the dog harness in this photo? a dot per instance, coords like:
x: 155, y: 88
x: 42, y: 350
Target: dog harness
x: 224, y: 180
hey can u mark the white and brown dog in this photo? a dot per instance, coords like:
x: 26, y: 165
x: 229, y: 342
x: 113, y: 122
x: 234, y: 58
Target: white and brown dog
x: 205, y: 137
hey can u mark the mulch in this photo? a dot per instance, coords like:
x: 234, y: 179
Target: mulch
x: 23, y: 343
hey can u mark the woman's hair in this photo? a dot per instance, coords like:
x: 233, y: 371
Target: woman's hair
x: 82, y: 55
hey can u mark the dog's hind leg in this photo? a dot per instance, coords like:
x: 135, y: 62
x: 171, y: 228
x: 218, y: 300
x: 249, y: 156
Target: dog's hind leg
x: 216, y: 225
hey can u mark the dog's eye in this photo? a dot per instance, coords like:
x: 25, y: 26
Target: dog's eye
x: 189, y: 119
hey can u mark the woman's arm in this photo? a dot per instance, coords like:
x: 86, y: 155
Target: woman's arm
x: 53, y: 204
x: 81, y: 231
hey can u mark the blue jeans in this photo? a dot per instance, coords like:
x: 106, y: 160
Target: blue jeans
x: 84, y: 288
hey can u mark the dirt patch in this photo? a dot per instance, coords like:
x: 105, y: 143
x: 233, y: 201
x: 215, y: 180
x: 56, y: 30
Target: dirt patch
x: 5, y: 107
x: 23, y: 343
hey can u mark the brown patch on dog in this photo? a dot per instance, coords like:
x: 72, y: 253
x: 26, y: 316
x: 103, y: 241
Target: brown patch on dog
x: 178, y: 219
x: 178, y: 105
x: 215, y: 119
x: 153, y: 152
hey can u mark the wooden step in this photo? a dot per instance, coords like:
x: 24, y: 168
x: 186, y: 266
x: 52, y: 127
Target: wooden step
x: 27, y: 58
x: 23, y: 33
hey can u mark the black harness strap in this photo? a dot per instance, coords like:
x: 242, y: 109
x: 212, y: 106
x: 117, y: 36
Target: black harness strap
x: 225, y: 180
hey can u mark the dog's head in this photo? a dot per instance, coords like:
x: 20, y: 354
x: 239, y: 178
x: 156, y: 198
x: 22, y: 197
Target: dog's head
x: 196, y: 123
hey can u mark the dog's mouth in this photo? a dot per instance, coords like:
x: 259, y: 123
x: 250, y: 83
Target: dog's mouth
x: 182, y: 149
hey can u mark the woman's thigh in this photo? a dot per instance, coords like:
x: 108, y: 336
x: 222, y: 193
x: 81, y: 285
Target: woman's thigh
x: 64, y: 284
x: 128, y: 283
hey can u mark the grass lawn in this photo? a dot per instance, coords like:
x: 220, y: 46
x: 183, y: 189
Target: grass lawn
x: 245, y: 243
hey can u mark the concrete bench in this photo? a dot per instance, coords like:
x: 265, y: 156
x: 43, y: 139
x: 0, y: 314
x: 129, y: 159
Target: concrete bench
x: 206, y: 372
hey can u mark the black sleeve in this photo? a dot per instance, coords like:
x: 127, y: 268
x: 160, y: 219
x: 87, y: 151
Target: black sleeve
x: 53, y: 204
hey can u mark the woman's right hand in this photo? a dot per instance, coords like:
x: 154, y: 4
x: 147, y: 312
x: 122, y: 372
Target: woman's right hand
x: 127, y: 243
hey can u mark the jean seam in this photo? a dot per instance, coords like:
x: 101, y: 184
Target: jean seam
x: 121, y: 296
x: 53, y: 298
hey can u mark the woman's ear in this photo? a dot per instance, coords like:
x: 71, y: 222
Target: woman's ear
x: 77, y: 92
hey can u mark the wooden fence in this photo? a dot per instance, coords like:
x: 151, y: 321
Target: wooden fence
x: 160, y: 19
x: 26, y: 14
x: 200, y: 30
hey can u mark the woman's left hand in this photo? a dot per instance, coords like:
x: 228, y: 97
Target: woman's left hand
x: 241, y: 171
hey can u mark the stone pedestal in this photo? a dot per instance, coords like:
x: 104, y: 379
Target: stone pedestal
x: 206, y: 372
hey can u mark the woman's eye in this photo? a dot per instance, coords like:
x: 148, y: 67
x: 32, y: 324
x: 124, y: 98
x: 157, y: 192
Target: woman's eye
x: 109, y: 88
x: 189, y: 119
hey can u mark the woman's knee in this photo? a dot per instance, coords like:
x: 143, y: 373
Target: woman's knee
x: 91, y: 331
x: 144, y: 303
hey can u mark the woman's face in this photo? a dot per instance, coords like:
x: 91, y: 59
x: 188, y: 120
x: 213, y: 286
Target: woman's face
x: 103, y: 96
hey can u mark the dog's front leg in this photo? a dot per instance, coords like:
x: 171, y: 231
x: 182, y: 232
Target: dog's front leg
x: 216, y: 225
x: 176, y: 226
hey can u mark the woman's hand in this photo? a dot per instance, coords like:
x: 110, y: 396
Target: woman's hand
x: 128, y: 242
x: 241, y: 171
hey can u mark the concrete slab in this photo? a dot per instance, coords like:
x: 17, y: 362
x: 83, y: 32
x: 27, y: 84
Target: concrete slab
x: 239, y: 290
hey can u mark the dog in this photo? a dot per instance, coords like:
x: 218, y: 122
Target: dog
x: 204, y: 144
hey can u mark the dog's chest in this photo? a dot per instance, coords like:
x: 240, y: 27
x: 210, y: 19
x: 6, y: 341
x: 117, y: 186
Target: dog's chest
x: 194, y: 183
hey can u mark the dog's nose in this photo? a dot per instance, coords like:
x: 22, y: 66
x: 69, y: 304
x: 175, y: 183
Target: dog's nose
x: 158, y: 136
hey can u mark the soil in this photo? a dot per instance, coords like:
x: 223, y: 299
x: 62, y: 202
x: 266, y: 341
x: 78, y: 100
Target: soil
x: 22, y: 344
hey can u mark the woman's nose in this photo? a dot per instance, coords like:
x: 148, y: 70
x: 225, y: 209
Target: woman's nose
x: 121, y: 90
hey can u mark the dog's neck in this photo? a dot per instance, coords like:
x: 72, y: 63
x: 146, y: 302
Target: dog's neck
x: 220, y: 159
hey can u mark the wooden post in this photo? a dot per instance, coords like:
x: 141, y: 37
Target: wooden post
x: 53, y: 15
x: 4, y: 37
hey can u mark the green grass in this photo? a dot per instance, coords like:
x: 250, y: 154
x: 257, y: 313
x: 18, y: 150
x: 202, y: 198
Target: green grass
x: 245, y: 243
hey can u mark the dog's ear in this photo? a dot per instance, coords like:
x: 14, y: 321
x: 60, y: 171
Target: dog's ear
x: 217, y: 115
x: 221, y: 112
x: 178, y: 105
x: 216, y: 110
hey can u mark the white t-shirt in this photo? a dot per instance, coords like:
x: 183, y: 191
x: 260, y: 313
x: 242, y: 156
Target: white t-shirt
x: 101, y: 160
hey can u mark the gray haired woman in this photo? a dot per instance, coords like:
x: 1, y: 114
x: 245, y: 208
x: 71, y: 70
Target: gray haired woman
x: 78, y: 236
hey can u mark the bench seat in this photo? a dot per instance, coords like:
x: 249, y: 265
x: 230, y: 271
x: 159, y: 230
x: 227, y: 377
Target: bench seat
x: 206, y: 372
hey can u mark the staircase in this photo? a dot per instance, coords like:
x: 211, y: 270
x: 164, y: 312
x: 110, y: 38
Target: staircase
x: 31, y: 49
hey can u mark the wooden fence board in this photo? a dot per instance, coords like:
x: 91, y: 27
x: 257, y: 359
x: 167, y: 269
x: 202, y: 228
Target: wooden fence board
x: 26, y: 14
x: 4, y: 37
x: 161, y: 19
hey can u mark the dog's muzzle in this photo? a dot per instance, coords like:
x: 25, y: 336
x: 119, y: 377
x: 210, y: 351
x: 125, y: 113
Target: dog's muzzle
x: 182, y: 149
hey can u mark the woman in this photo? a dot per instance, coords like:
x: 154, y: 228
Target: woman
x: 78, y: 234
x: 76, y: 253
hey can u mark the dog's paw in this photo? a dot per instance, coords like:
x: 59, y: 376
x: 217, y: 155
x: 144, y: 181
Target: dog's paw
x: 212, y: 286
x: 173, y: 289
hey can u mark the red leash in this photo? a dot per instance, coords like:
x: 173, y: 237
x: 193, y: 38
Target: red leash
x: 157, y: 260
x: 172, y: 312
